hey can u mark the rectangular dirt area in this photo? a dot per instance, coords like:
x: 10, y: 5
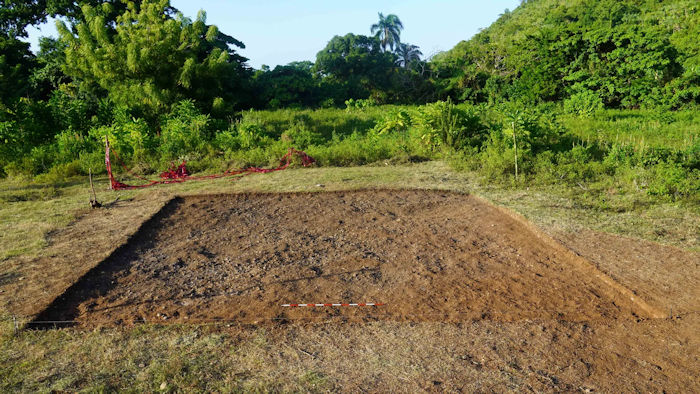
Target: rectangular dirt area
x: 426, y: 255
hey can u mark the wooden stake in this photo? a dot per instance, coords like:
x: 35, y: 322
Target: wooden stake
x: 93, y: 200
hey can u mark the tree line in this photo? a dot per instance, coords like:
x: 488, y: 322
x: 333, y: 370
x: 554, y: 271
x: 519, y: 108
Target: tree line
x: 121, y: 59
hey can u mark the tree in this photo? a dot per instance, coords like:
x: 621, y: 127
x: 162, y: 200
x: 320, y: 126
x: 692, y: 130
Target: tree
x: 16, y: 62
x: 408, y: 54
x: 388, y: 30
x: 48, y: 74
x: 356, y: 65
x: 16, y: 15
x: 292, y: 85
x: 148, y: 59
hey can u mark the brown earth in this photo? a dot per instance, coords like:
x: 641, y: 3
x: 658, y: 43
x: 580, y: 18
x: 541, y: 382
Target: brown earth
x: 72, y: 252
x: 665, y: 276
x: 476, y: 298
x: 428, y: 256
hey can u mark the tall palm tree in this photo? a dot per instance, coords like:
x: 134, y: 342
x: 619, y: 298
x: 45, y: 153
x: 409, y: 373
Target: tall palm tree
x: 408, y: 54
x: 388, y: 30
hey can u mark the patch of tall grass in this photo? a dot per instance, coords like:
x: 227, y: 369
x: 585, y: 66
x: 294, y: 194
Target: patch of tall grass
x: 646, y: 150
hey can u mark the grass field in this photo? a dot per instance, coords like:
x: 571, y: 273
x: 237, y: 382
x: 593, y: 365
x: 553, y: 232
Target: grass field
x: 326, y: 356
x: 520, y: 213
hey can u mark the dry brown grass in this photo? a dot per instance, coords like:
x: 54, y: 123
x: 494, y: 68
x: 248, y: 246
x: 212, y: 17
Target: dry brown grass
x: 480, y: 356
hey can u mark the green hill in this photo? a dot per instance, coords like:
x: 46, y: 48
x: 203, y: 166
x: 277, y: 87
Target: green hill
x: 625, y: 53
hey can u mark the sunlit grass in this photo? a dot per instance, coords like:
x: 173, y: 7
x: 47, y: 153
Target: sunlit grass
x: 639, y: 129
x: 153, y: 358
x: 29, y: 211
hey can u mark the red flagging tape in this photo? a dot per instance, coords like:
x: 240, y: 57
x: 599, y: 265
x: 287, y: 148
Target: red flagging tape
x: 178, y: 174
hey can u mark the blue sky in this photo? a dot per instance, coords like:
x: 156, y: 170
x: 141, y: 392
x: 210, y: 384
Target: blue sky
x: 278, y: 32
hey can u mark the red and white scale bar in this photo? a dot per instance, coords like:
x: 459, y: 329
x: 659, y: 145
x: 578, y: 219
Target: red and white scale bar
x: 349, y: 304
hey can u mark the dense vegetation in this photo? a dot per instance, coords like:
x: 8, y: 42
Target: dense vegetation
x: 597, y: 95
x: 620, y: 54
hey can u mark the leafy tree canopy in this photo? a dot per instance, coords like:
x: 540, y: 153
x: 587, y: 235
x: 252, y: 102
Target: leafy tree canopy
x: 292, y: 85
x: 16, y: 62
x: 16, y: 15
x: 630, y: 53
x: 357, y: 63
x: 408, y: 54
x: 153, y: 59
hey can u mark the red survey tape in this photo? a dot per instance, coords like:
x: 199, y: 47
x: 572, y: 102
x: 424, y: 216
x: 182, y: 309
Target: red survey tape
x: 179, y: 173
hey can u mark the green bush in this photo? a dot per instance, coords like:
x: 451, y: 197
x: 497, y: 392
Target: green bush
x: 325, y: 122
x: 497, y: 158
x: 395, y: 121
x: 251, y: 135
x: 227, y: 140
x: 443, y: 123
x: 9, y: 142
x: 359, y: 104
x: 673, y: 181
x: 70, y: 144
x: 578, y: 165
x: 356, y: 149
x: 74, y: 113
x: 584, y: 103
x: 184, y: 132
x: 61, y: 172
x: 301, y: 137
x: 40, y: 159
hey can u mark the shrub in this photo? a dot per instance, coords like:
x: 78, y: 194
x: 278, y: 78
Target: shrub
x: 184, y: 132
x: 69, y: 145
x: 584, y: 103
x: 227, y: 140
x: 359, y: 104
x: 395, y: 120
x: 60, y: 172
x: 673, y: 181
x: 356, y: 149
x: 251, y: 135
x: 328, y: 103
x: 497, y: 157
x: 70, y: 112
x: 578, y: 165
x: 300, y: 137
x: 9, y: 142
x: 40, y: 159
x: 130, y: 137
x: 443, y: 123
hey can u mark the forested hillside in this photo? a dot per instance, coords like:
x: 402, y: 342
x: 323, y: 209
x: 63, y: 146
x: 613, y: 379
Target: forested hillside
x: 514, y: 102
x: 621, y: 53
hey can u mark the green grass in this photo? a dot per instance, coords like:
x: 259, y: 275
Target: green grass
x: 28, y: 211
x: 638, y: 128
x: 325, y: 122
x: 214, y: 358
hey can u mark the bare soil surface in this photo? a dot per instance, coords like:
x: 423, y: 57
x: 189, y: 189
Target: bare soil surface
x: 427, y: 256
x: 72, y: 252
x: 665, y: 276
x: 476, y: 299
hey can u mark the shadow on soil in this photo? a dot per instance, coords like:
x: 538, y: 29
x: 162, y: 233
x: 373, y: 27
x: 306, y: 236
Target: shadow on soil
x: 100, y: 279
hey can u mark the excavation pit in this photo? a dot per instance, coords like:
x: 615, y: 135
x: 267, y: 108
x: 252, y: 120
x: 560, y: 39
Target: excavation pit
x: 426, y: 255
